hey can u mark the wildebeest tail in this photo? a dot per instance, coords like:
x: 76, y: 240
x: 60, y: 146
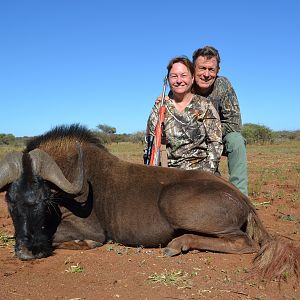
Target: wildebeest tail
x: 277, y: 258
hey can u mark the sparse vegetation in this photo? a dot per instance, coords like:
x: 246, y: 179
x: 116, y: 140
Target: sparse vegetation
x: 179, y: 278
x: 117, y: 248
x: 75, y: 269
x: 6, y: 239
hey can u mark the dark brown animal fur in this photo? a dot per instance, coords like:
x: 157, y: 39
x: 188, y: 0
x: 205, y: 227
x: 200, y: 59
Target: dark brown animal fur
x: 151, y: 206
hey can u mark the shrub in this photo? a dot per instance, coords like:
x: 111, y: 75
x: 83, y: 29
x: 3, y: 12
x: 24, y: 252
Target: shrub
x: 257, y: 134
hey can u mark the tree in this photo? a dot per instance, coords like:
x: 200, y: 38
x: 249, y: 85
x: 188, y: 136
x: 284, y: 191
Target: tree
x: 106, y: 129
x: 255, y: 134
x: 106, y: 134
x: 7, y: 139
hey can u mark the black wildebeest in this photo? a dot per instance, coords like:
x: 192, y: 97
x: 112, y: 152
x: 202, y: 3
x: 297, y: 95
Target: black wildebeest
x: 66, y: 190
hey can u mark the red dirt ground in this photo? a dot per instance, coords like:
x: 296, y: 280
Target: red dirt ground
x: 117, y: 272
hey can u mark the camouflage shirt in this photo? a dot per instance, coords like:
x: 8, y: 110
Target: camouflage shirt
x: 193, y: 137
x: 226, y: 103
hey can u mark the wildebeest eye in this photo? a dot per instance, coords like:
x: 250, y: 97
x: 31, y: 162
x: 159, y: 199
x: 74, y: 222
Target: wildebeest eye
x: 53, y: 191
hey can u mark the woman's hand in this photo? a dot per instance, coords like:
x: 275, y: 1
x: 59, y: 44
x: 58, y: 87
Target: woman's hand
x: 159, y: 98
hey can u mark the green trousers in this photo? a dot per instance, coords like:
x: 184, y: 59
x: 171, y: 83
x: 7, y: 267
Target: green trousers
x: 235, y: 150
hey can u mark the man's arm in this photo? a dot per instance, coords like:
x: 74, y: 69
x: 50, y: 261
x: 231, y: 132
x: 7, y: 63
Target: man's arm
x: 229, y: 108
x: 213, y: 129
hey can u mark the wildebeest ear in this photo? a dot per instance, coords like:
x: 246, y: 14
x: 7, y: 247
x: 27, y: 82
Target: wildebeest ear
x: 46, y: 167
x: 10, y: 168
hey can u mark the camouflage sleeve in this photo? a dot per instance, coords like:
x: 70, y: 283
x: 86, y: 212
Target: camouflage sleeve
x: 152, y: 121
x: 151, y: 125
x: 213, y: 129
x: 229, y: 108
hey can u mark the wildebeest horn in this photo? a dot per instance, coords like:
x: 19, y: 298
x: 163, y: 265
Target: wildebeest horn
x: 10, y: 168
x: 46, y: 167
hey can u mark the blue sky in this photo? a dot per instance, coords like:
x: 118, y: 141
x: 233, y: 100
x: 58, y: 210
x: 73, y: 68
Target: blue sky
x: 103, y: 62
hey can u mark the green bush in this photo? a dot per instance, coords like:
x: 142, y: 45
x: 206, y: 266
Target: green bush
x: 6, y: 139
x: 257, y: 134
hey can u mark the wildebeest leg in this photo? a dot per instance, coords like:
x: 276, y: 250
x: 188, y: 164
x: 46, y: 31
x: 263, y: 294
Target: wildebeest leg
x: 238, y: 243
x: 216, y: 215
x: 78, y: 233
x: 77, y: 245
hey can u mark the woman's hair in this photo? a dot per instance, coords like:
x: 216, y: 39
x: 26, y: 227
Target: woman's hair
x: 181, y: 59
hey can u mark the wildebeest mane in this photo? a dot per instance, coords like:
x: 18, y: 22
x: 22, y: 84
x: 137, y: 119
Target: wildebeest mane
x: 64, y: 134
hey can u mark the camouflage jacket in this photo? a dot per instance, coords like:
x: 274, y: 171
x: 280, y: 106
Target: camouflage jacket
x: 193, y: 137
x: 226, y: 103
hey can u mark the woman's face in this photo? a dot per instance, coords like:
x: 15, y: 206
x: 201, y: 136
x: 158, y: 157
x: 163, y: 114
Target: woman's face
x: 180, y: 79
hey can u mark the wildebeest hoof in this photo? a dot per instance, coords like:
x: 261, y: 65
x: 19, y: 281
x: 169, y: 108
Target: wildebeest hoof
x: 171, y: 252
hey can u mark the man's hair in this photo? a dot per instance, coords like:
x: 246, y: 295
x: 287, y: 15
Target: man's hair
x: 208, y: 52
x: 181, y: 59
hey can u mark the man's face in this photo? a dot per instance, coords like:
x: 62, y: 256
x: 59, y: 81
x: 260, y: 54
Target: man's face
x: 206, y: 71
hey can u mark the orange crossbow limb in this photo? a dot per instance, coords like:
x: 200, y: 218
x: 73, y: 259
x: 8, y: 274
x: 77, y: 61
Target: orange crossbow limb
x: 155, y: 159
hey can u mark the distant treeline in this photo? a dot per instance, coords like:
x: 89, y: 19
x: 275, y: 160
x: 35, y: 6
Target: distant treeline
x: 11, y: 140
x: 260, y: 134
x: 253, y: 133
